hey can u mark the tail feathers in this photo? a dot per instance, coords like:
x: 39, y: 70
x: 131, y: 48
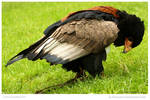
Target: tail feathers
x: 14, y: 59
x: 27, y: 53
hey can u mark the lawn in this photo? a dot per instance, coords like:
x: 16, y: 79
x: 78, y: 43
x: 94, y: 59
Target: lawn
x: 23, y: 24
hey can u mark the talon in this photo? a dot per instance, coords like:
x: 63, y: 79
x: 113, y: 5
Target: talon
x: 81, y: 75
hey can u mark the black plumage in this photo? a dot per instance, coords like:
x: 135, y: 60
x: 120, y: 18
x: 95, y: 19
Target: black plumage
x: 78, y: 41
x: 80, y: 15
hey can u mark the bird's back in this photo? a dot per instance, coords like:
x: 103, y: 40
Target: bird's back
x: 77, y: 39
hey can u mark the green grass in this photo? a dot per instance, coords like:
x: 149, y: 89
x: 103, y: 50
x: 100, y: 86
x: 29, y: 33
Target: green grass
x: 24, y: 23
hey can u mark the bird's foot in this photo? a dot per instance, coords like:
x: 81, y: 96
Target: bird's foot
x: 102, y: 75
x: 80, y: 75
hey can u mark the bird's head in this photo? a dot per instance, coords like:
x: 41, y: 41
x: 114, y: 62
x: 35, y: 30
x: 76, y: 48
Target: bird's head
x: 131, y: 31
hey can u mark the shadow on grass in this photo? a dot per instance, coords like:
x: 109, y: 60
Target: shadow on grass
x: 54, y: 87
x: 69, y: 83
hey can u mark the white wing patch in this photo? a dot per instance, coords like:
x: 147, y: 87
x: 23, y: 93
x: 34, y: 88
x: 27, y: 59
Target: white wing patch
x: 68, y: 52
x: 41, y: 47
x: 57, y: 52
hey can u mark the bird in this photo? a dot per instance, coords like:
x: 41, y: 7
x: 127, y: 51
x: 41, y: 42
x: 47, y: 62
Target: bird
x: 80, y: 40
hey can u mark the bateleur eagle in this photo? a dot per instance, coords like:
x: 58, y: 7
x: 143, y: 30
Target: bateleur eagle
x: 79, y: 40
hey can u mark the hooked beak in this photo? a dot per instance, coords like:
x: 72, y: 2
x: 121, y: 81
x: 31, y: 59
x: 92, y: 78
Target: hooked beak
x: 127, y: 45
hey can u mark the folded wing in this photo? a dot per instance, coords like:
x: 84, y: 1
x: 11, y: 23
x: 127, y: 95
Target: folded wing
x: 72, y: 41
x: 77, y: 39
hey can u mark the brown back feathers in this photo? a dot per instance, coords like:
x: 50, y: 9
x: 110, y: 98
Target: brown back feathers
x: 76, y: 39
x: 71, y: 41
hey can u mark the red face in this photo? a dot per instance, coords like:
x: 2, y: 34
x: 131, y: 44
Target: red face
x: 127, y: 45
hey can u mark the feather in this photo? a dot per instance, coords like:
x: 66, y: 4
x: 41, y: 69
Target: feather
x: 14, y: 59
x: 81, y: 40
x: 61, y: 52
x: 104, y: 9
x: 71, y: 41
x: 77, y: 39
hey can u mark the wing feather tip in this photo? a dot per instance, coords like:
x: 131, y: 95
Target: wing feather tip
x: 54, y: 59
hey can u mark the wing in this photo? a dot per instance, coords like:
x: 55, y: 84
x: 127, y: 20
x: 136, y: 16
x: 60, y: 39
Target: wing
x: 74, y: 36
x: 71, y: 41
x: 77, y: 39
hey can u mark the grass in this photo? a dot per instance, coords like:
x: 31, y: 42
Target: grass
x: 23, y: 24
